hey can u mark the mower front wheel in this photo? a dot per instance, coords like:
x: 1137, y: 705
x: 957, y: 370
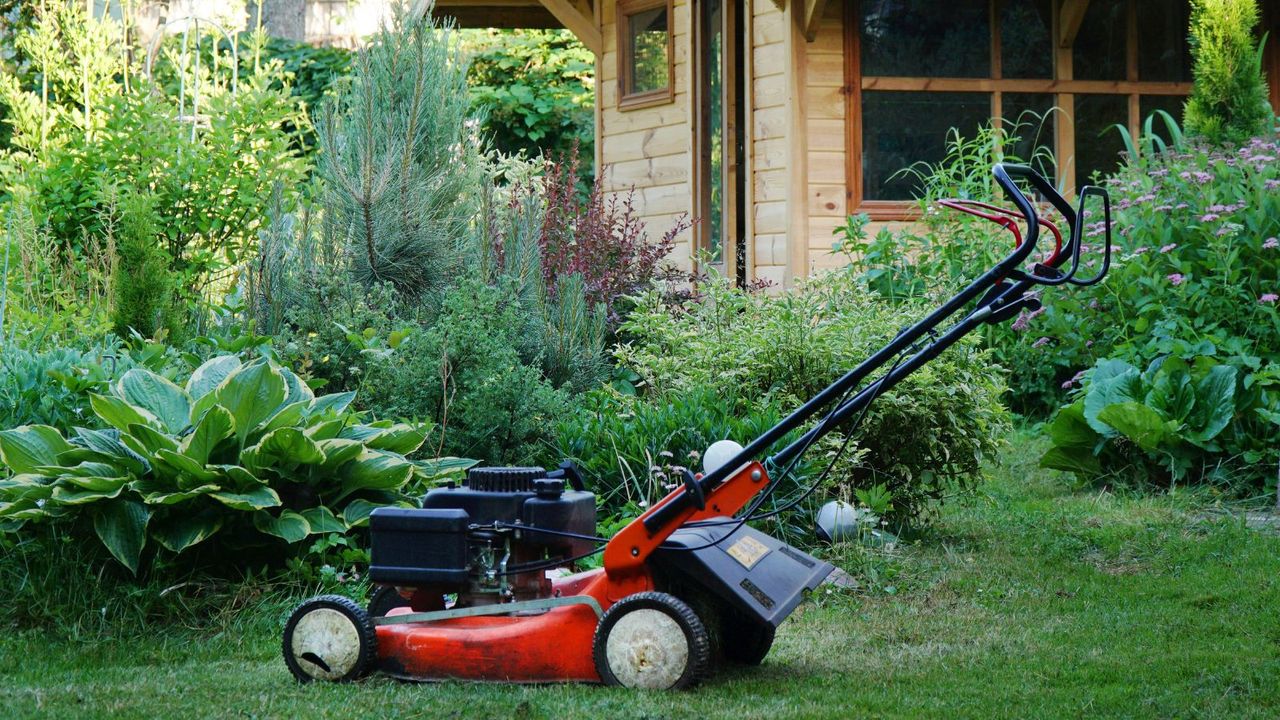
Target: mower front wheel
x: 329, y: 638
x: 651, y: 640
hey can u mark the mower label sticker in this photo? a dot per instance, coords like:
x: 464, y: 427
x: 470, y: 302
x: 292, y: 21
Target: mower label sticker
x: 747, y: 551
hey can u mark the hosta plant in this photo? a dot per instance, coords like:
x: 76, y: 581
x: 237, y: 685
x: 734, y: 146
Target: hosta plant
x: 1181, y: 420
x: 243, y: 455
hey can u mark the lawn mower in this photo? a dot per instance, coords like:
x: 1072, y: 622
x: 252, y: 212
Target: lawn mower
x: 476, y: 583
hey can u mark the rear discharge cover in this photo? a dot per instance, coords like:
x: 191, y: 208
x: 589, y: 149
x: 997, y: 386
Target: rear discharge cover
x: 760, y: 575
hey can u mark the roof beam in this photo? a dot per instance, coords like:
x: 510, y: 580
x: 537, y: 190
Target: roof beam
x: 813, y: 10
x: 1069, y: 21
x: 579, y: 23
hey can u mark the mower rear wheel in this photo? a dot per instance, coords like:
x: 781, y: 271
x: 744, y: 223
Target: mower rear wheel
x: 329, y: 638
x: 651, y: 640
x: 385, y: 599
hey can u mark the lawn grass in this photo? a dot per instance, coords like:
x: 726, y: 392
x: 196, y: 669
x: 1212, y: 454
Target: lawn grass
x: 1032, y: 599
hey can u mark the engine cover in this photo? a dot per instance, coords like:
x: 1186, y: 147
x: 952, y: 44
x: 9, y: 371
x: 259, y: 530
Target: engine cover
x: 452, y: 542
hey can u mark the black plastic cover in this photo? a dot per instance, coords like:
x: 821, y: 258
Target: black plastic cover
x: 418, y: 547
x: 761, y: 576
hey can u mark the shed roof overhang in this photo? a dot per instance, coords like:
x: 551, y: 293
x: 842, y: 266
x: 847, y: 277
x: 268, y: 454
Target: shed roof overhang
x: 578, y: 16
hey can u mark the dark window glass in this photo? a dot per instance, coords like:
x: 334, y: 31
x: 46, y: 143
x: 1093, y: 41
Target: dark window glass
x: 1099, y: 52
x: 1172, y: 104
x: 1026, y: 39
x: 1098, y: 143
x: 713, y: 124
x: 648, y: 37
x: 920, y: 38
x: 1028, y: 121
x: 900, y: 129
x: 1163, y: 52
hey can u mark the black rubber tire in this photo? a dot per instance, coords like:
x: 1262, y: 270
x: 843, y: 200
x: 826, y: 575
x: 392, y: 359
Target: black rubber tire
x: 385, y: 599
x: 745, y: 642
x: 366, y: 639
x: 698, y: 662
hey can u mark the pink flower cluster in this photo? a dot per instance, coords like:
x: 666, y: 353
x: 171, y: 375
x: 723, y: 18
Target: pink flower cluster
x: 1271, y: 244
x: 1176, y: 279
x: 1268, y: 299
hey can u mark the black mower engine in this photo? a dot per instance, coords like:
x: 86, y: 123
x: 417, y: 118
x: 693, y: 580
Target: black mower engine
x: 480, y: 540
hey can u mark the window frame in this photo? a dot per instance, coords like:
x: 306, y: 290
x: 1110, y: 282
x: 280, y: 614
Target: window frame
x: 627, y: 98
x: 1061, y: 86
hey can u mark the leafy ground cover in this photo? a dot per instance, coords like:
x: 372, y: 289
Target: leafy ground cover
x: 1031, y: 599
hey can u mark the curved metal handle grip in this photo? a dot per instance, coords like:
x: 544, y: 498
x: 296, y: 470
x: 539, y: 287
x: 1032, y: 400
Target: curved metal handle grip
x: 1077, y: 235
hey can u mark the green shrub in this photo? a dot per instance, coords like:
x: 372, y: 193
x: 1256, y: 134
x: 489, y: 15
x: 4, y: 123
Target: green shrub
x: 1180, y: 421
x: 1229, y: 96
x: 244, y: 455
x: 922, y: 440
x: 534, y: 88
x: 52, y: 387
x: 142, y: 286
x: 464, y: 373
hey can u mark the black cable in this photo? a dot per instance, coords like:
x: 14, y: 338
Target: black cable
x: 545, y: 531
x: 550, y: 564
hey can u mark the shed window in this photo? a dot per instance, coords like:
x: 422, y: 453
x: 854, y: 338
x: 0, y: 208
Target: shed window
x: 645, y: 53
x: 919, y: 69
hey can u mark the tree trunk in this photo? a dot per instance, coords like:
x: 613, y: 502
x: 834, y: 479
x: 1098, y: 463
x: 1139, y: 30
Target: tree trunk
x: 280, y: 18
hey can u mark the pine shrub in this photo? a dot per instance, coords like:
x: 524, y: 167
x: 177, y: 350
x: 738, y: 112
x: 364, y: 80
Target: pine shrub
x: 142, y: 286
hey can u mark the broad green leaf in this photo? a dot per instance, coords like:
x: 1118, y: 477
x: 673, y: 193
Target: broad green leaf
x: 1069, y: 428
x: 1078, y: 460
x: 190, y: 473
x: 64, y: 495
x: 210, y: 375
x: 1171, y: 392
x: 333, y: 403
x: 252, y: 394
x: 108, y: 443
x: 215, y: 426
x: 158, y: 396
x: 175, y: 497
x: 181, y: 531
x: 25, y: 448
x: 322, y: 520
x: 119, y: 414
x: 1215, y: 404
x: 296, y: 391
x: 88, y: 468
x: 337, y: 452
x: 147, y: 440
x: 437, y: 468
x: 375, y: 470
x: 1113, y: 381
x: 122, y: 527
x: 326, y: 430
x: 288, y: 416
x: 27, y: 486
x: 257, y: 498
x: 400, y: 438
x: 356, y: 513
x: 290, y: 526
x: 287, y: 446
x: 239, y: 478
x: 100, y: 484
x: 1137, y: 422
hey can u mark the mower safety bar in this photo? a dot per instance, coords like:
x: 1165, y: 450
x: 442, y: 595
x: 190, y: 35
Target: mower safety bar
x: 1003, y: 290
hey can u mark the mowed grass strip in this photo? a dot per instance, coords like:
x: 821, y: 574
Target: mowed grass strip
x: 1033, y: 599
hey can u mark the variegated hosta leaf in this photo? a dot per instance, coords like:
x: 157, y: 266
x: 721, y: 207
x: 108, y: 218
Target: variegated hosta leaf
x: 357, y: 512
x: 258, y: 498
x: 146, y: 440
x: 439, y: 468
x: 334, y: 403
x: 252, y: 394
x: 108, y: 444
x: 72, y: 495
x: 398, y: 438
x: 296, y: 391
x: 122, y: 527
x: 375, y: 470
x: 189, y: 472
x: 284, y: 446
x: 119, y: 414
x: 25, y: 448
x: 158, y: 396
x: 289, y: 526
x: 27, y: 486
x: 179, y: 532
x: 337, y: 452
x: 213, y: 427
x: 210, y: 375
x: 322, y: 520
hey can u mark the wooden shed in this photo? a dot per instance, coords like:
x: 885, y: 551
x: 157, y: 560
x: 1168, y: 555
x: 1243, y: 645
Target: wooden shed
x: 769, y: 121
